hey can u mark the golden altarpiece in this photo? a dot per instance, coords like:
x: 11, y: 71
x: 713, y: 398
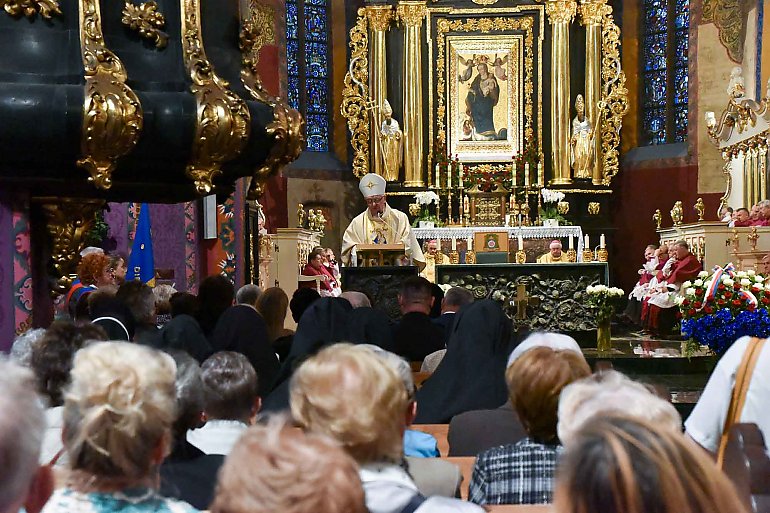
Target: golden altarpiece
x: 480, y: 105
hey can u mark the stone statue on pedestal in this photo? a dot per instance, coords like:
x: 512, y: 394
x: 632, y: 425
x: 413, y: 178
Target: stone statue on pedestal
x: 581, y: 142
x: 392, y: 141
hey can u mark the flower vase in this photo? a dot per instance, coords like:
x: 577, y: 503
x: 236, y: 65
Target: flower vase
x: 603, y: 335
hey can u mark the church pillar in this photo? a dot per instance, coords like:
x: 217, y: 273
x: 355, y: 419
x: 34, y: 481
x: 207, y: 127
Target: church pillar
x: 379, y: 17
x: 560, y: 14
x: 412, y: 15
x: 592, y: 12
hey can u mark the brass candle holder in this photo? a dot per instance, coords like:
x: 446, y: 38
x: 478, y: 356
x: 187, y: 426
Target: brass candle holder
x: 521, y: 257
x: 571, y: 255
x: 588, y: 255
x: 470, y: 257
x: 454, y: 257
x: 602, y: 255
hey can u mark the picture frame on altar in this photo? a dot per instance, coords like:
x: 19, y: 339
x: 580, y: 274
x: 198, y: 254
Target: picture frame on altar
x: 490, y: 242
x: 485, y: 97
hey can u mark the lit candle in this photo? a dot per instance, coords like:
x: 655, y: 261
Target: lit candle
x: 470, y: 243
x: 513, y: 171
x: 438, y: 175
x: 507, y: 219
x: 449, y: 175
x: 466, y: 205
x: 540, y: 176
x: 460, y: 170
x: 571, y: 243
x: 526, y: 174
x: 601, y: 241
x: 586, y: 244
x: 521, y: 242
x: 454, y: 244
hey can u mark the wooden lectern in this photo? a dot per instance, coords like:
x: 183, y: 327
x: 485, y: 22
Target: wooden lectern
x: 377, y: 255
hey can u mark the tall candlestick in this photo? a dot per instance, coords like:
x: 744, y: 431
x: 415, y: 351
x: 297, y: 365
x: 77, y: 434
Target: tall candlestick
x: 449, y: 174
x: 586, y: 244
x: 513, y: 171
x: 466, y: 205
x: 520, y: 240
x: 460, y: 170
x: 571, y: 243
x: 540, y: 175
x: 601, y: 241
x: 438, y: 175
x: 526, y: 174
x: 454, y: 244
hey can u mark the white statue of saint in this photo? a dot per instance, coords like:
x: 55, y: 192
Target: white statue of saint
x: 392, y: 140
x: 581, y: 142
x: 736, y: 88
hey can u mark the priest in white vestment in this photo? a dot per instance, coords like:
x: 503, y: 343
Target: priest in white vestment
x: 380, y: 224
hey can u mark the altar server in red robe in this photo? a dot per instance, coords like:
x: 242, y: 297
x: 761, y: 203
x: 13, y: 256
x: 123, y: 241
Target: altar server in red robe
x: 682, y: 266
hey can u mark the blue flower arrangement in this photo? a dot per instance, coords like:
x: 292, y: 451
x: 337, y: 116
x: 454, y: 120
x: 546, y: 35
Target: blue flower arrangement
x: 719, y: 330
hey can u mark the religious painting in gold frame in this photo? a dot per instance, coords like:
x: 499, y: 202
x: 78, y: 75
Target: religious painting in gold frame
x: 485, y: 97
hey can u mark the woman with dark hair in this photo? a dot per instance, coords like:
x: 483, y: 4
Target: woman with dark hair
x: 623, y: 465
x: 273, y: 305
x: 471, y: 375
x: 215, y: 295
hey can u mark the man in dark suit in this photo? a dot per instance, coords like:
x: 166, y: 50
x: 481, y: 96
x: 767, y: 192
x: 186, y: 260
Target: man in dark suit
x: 415, y: 336
x: 454, y: 299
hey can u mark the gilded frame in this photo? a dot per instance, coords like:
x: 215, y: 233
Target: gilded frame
x: 465, y: 56
x: 487, y: 27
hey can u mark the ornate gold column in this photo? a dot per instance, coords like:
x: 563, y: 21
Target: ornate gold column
x: 412, y: 15
x: 560, y: 14
x: 591, y: 14
x: 379, y: 17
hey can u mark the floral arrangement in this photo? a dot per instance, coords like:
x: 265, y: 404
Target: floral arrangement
x: 723, y: 305
x: 604, y: 299
x: 549, y: 209
x: 423, y: 200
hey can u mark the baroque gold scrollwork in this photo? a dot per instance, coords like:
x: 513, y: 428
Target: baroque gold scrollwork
x: 288, y: 125
x: 560, y: 11
x: 112, y: 113
x: 223, y: 124
x: 731, y: 19
x: 147, y: 20
x: 614, y: 99
x: 31, y: 8
x: 68, y: 220
x: 355, y: 95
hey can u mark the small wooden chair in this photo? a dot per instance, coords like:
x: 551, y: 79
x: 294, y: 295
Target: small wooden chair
x: 304, y: 279
x: 439, y: 432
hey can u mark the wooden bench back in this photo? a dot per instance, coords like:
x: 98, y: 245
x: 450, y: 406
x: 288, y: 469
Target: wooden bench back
x: 439, y: 432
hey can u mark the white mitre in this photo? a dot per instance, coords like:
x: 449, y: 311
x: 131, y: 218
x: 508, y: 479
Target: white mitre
x: 372, y: 185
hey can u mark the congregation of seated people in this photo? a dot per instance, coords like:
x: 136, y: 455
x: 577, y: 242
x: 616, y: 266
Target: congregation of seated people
x: 218, y: 406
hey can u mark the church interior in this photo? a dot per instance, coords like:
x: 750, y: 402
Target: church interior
x: 596, y: 169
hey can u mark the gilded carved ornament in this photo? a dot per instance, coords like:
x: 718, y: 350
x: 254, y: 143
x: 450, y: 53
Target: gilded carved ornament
x: 380, y: 17
x: 355, y: 95
x: 592, y: 12
x: 731, y: 18
x: 147, y: 20
x: 223, y: 123
x: 411, y: 14
x: 485, y: 2
x: 68, y: 220
x: 560, y: 11
x: 614, y: 103
x: 288, y: 125
x: 31, y: 8
x: 112, y: 113
x: 741, y: 113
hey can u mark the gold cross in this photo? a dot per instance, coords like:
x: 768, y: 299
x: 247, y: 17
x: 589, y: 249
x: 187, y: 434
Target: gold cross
x: 522, y: 301
x: 370, y: 184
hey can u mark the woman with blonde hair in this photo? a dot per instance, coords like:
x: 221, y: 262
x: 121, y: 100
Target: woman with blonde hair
x: 622, y: 465
x: 118, y: 413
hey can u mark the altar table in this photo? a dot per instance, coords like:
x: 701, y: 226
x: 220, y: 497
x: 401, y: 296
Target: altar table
x: 526, y: 232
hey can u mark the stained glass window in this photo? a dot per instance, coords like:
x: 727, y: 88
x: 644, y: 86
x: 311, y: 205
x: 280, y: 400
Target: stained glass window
x: 307, y: 58
x: 665, y: 45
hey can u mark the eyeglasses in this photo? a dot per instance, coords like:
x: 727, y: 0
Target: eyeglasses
x: 374, y: 200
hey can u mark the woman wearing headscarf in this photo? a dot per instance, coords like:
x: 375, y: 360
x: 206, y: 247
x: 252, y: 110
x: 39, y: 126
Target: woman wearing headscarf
x: 242, y: 330
x: 325, y: 322
x: 371, y: 326
x: 472, y: 374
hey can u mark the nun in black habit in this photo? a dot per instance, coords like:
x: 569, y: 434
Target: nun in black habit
x: 324, y: 323
x: 472, y: 374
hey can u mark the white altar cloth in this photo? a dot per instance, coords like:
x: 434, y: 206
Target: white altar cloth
x: 526, y: 232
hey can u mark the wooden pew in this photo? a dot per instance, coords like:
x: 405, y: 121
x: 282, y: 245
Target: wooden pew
x: 439, y: 432
x: 466, y: 469
x: 519, y: 508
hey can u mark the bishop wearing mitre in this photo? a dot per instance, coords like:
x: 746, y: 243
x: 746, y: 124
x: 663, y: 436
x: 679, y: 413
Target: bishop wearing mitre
x: 380, y: 224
